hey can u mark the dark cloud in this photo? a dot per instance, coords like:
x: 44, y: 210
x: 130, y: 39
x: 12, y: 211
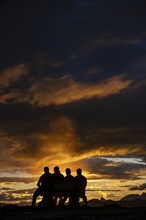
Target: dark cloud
x: 60, y: 27
x: 114, y: 170
x: 138, y: 187
x: 23, y: 195
x: 117, y: 120
x: 111, y: 126
x: 18, y: 179
x: 9, y: 197
x: 6, y: 188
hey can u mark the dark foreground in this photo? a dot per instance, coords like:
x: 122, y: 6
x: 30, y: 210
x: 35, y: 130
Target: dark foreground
x: 12, y: 212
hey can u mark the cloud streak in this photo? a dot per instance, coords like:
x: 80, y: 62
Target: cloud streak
x: 12, y: 74
x: 138, y: 187
x: 18, y: 180
x: 64, y: 90
x: 114, y: 170
x: 107, y: 39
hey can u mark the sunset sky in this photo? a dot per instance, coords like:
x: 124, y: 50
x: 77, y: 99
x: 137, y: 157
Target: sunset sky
x: 72, y: 94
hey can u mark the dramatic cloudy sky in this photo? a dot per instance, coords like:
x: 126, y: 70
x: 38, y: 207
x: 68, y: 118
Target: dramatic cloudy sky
x: 72, y: 94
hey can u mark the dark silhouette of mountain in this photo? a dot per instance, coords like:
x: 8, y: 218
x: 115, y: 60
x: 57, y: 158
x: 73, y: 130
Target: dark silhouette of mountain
x: 107, y: 202
x: 95, y: 203
x: 132, y: 200
x: 134, y: 197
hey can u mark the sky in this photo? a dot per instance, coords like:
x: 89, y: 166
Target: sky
x: 72, y: 94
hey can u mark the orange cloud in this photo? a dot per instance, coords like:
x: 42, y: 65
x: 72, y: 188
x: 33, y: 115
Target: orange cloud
x: 10, y: 96
x: 12, y: 74
x: 37, y: 150
x: 60, y: 146
x: 65, y: 90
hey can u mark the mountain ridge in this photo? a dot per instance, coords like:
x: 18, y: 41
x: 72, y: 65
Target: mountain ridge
x: 131, y: 200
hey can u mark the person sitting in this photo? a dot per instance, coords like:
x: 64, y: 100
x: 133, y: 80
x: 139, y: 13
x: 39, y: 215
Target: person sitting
x: 69, y: 182
x: 44, y: 186
x: 81, y: 183
x: 57, y: 179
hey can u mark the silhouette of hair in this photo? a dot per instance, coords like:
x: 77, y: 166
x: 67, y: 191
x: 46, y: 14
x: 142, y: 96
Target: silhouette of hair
x: 68, y: 171
x: 79, y: 171
x: 46, y: 169
x: 56, y: 169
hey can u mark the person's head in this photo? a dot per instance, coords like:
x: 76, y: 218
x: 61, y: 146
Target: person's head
x: 46, y: 169
x: 79, y: 171
x: 68, y: 171
x: 56, y: 169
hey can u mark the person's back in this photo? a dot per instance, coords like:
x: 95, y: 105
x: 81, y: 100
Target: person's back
x: 81, y: 183
x: 57, y: 179
x: 69, y: 187
x: 44, y: 185
x: 45, y: 181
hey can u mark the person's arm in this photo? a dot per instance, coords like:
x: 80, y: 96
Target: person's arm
x: 39, y: 182
x: 86, y: 182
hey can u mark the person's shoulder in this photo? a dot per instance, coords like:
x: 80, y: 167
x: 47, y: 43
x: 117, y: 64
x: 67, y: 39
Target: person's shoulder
x: 42, y: 176
x: 49, y: 175
x: 69, y: 177
x: 83, y: 177
x: 73, y: 177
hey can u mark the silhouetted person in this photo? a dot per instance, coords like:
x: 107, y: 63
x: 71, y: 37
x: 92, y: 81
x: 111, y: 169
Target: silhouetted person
x: 44, y: 185
x: 57, y: 175
x: 69, y: 182
x: 57, y: 178
x: 81, y: 183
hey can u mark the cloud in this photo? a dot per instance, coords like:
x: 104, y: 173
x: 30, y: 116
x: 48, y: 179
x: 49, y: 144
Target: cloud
x: 64, y: 90
x: 35, y: 137
x: 12, y: 96
x: 46, y: 122
x: 56, y: 143
x: 107, y: 39
x: 12, y: 74
x: 11, y: 197
x: 18, y: 180
x: 42, y: 60
x: 6, y: 188
x: 114, y: 170
x: 95, y: 70
x: 21, y: 197
x: 138, y: 187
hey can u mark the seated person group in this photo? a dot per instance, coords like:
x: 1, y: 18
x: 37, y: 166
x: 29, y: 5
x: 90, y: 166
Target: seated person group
x: 54, y: 187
